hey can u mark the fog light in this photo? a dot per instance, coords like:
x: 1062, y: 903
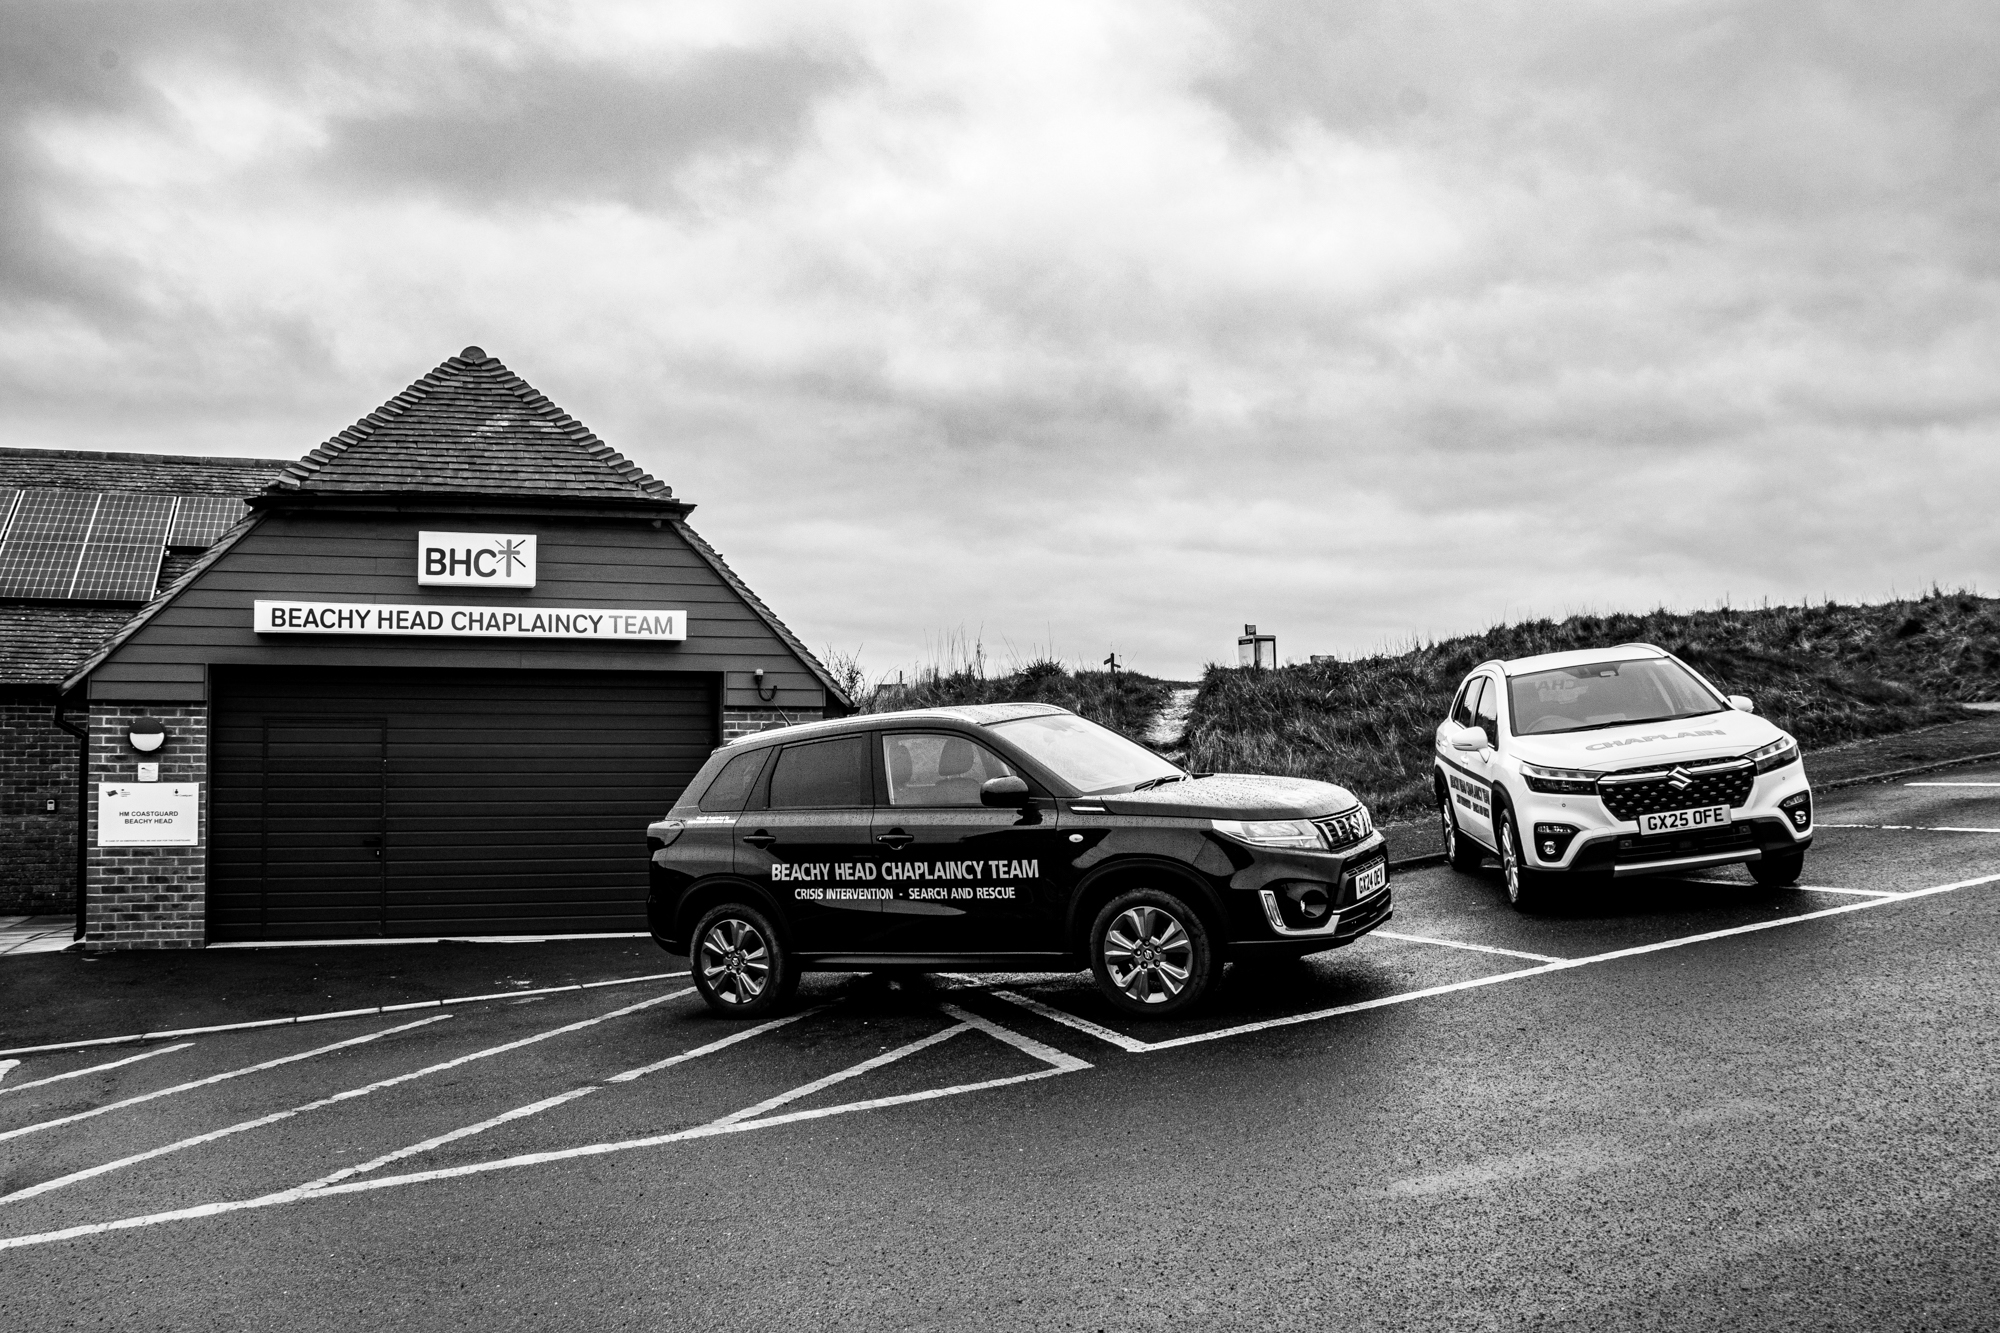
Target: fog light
x: 1311, y: 900
x: 1552, y: 840
x: 1798, y: 809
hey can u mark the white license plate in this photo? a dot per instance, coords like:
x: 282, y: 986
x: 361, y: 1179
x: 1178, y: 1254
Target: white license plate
x: 1370, y: 880
x: 1680, y: 821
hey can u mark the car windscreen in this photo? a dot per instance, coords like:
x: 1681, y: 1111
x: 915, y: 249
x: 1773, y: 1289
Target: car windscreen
x: 1091, y: 758
x: 1607, y: 694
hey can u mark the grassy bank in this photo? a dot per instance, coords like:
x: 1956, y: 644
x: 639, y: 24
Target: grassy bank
x: 1825, y: 673
x: 1128, y: 706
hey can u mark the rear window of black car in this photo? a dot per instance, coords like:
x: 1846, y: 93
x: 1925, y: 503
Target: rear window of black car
x: 822, y: 774
x: 731, y: 787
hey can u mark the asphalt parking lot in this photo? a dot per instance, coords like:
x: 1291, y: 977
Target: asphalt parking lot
x: 1702, y: 1104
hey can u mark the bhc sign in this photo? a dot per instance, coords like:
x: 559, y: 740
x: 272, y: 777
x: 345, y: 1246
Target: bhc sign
x: 476, y: 559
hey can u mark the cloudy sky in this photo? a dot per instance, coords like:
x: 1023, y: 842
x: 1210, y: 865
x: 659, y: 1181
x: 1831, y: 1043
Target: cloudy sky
x: 1073, y: 325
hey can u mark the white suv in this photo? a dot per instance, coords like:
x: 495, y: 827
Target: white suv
x: 1615, y: 761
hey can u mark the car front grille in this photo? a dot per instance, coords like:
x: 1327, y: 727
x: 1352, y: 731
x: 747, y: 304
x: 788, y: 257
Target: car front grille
x: 1346, y: 828
x: 1702, y: 783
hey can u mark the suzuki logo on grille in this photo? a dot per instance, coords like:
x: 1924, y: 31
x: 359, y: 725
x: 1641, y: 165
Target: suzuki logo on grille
x: 1680, y: 779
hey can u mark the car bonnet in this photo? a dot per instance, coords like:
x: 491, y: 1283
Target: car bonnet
x: 1232, y: 796
x: 1627, y: 746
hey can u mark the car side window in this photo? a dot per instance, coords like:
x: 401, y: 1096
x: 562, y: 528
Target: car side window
x: 731, y: 788
x: 822, y: 775
x: 1487, y: 712
x: 937, y: 770
x: 1468, y: 693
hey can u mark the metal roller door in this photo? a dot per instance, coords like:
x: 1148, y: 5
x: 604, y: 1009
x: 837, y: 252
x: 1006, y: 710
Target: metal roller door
x: 435, y: 802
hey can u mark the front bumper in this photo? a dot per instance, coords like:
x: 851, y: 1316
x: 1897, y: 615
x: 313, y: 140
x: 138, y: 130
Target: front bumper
x: 1603, y: 844
x: 1264, y: 916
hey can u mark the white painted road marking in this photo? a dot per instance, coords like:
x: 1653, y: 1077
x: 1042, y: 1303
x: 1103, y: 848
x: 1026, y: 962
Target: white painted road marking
x: 1858, y: 893
x: 94, y: 1069
x: 841, y: 1076
x: 1137, y: 1046
x: 549, y: 1103
x: 7, y: 1067
x: 371, y: 1010
x: 1460, y: 944
x: 1069, y: 1064
x: 1915, y: 828
x: 217, y: 1078
x: 350, y: 1094
x: 1952, y: 784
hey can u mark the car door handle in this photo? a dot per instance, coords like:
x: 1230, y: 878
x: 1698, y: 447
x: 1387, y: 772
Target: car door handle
x: 760, y: 839
x: 896, y: 838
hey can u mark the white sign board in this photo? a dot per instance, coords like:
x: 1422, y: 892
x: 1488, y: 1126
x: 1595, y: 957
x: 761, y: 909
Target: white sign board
x: 476, y: 559
x: 148, y: 814
x: 468, y: 622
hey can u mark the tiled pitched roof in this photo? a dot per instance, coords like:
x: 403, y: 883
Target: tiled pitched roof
x: 159, y: 474
x: 42, y: 642
x: 472, y: 427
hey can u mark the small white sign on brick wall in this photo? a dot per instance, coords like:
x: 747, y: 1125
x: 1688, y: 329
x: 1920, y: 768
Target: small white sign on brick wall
x: 148, y: 814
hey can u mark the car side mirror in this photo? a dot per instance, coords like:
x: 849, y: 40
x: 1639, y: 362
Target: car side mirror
x: 1471, y: 740
x: 1742, y: 703
x: 1007, y: 793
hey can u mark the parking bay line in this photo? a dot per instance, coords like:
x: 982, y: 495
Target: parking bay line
x: 1952, y: 784
x: 94, y: 1069
x: 1138, y: 1047
x: 370, y: 1011
x: 1915, y: 828
x: 1059, y: 1062
x: 1460, y: 944
x: 243, y: 1126
x: 217, y: 1078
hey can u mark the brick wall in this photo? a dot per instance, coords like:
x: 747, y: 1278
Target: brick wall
x: 37, y: 846
x: 740, y: 722
x: 148, y: 897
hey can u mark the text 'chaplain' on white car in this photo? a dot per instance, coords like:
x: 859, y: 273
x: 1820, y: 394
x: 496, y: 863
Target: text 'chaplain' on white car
x: 1607, y: 762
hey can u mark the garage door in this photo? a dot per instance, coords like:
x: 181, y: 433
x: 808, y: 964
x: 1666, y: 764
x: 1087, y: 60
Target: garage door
x: 413, y: 803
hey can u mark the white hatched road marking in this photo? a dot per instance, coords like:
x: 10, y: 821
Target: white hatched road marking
x: 1060, y: 1062
x: 217, y: 1078
x: 94, y: 1069
x: 1069, y: 1063
x: 1460, y: 944
x: 134, y: 1038
x: 243, y: 1126
x: 548, y: 1103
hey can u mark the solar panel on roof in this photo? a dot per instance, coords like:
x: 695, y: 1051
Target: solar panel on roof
x: 39, y: 556
x: 121, y: 559
x: 204, y: 518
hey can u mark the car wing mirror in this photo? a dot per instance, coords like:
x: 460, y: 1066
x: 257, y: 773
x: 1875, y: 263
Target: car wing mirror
x: 1742, y: 703
x: 1008, y: 793
x: 1471, y: 740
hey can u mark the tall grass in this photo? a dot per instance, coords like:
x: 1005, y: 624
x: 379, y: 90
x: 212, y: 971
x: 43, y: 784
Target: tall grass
x: 958, y: 674
x: 1825, y: 673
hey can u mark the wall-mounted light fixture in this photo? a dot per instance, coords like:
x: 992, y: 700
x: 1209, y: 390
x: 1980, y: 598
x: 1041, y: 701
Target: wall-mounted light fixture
x: 146, y: 734
x: 757, y: 677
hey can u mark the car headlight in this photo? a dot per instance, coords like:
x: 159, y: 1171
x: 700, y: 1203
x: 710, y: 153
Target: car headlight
x: 1559, y: 781
x: 1777, y: 754
x: 1272, y: 832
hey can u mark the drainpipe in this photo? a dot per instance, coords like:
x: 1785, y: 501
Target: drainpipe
x: 82, y: 735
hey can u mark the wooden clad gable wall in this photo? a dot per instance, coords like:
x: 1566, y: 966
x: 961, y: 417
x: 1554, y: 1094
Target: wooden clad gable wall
x: 611, y: 563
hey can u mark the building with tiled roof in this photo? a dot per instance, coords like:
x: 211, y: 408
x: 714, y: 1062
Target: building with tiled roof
x: 434, y: 677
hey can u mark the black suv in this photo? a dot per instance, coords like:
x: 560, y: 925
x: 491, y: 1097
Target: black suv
x: 999, y: 837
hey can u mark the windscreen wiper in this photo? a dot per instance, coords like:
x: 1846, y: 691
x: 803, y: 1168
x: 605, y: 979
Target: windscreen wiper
x: 1161, y: 782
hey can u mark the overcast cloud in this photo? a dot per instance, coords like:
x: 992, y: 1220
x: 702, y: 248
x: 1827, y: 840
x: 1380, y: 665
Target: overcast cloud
x: 1074, y: 325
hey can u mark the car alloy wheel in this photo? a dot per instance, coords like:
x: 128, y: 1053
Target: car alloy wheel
x: 1148, y: 954
x: 1510, y: 863
x: 735, y: 961
x: 1450, y: 830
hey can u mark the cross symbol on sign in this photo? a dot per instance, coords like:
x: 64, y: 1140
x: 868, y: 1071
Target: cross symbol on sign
x: 510, y: 554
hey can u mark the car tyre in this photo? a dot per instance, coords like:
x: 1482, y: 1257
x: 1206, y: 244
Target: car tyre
x: 1777, y: 872
x: 739, y: 964
x: 1528, y: 890
x: 1463, y: 853
x: 1152, y: 954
